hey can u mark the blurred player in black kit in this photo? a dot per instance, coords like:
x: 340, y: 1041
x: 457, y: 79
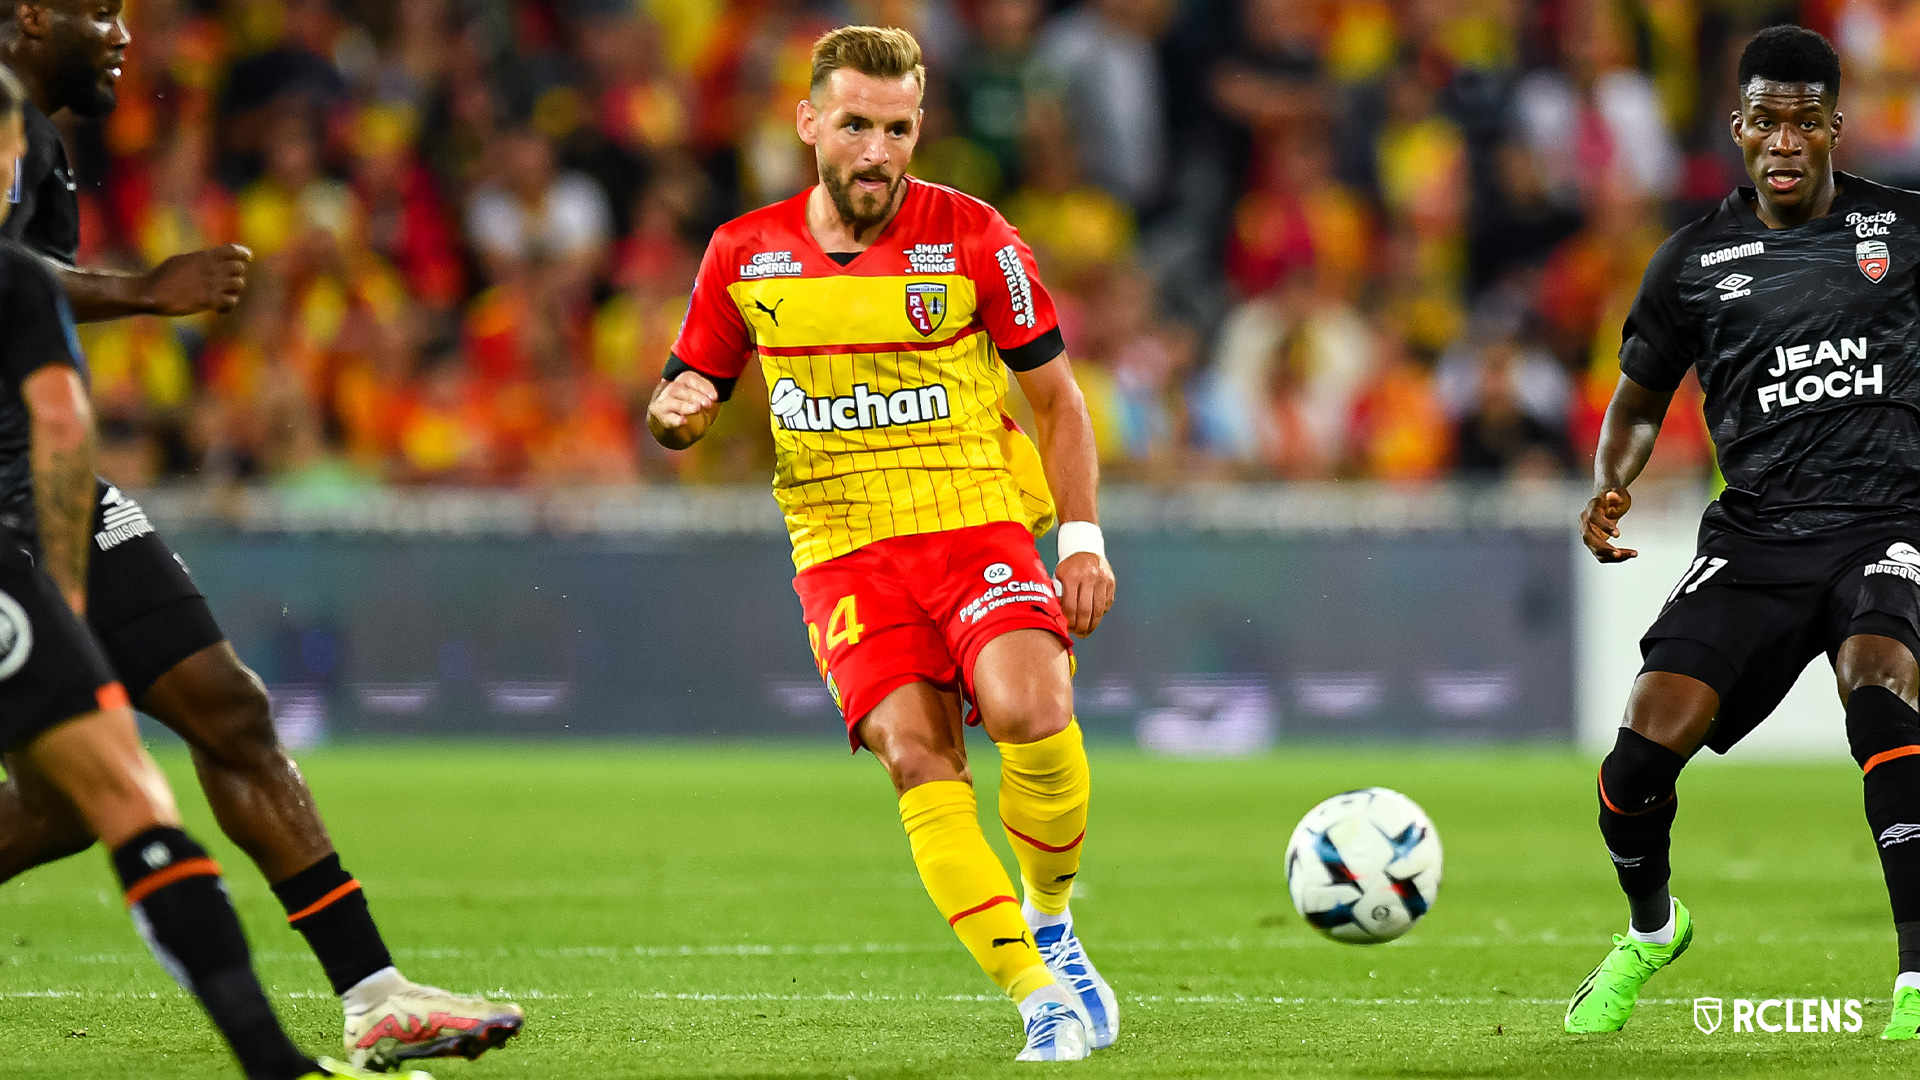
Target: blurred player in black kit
x: 156, y: 630
x: 66, y: 725
x: 1797, y: 302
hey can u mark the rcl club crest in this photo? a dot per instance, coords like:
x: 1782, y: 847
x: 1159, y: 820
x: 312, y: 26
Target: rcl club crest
x: 927, y: 305
x: 1873, y: 259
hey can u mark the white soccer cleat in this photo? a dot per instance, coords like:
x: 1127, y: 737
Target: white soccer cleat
x: 1060, y: 947
x: 414, y: 1021
x: 1056, y: 1028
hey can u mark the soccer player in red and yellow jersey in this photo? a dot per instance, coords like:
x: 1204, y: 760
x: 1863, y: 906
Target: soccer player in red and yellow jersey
x: 885, y: 313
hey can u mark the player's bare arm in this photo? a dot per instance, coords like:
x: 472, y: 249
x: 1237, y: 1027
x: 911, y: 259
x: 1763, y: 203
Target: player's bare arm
x: 1064, y: 432
x: 682, y: 409
x: 211, y: 279
x: 1626, y: 442
x: 62, y: 439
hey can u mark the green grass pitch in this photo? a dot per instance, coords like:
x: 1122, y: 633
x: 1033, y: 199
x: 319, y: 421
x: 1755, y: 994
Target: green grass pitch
x: 750, y: 912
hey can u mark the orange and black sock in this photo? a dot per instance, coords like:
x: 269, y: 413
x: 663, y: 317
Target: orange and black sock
x: 1637, y: 807
x: 1884, y: 734
x: 180, y: 907
x: 329, y: 909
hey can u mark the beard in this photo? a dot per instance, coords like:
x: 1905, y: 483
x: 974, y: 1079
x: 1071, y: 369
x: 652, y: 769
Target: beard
x: 857, y: 208
x: 81, y: 87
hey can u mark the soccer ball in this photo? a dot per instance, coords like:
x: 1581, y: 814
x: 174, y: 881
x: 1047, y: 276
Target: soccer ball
x: 1364, y: 866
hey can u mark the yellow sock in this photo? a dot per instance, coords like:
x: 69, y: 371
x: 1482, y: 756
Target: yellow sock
x: 969, y: 885
x: 1043, y: 805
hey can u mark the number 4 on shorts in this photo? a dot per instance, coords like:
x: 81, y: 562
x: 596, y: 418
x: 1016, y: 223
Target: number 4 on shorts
x: 1696, y: 576
x: 844, y: 625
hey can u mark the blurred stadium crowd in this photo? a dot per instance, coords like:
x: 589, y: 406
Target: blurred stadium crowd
x: 1295, y: 239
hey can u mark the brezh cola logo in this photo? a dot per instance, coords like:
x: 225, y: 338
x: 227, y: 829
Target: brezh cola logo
x: 1772, y: 1016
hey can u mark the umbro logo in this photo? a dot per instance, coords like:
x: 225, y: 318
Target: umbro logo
x: 1734, y: 286
x: 1899, y: 834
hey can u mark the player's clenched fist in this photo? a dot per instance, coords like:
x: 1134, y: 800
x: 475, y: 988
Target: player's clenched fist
x: 682, y: 409
x: 1086, y: 590
x: 207, y: 280
x: 1600, y: 525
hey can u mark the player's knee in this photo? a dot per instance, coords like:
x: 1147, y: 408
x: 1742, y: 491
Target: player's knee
x: 1637, y: 778
x: 1026, y: 712
x: 235, y: 721
x: 1876, y: 660
x: 1030, y: 725
x: 914, y: 764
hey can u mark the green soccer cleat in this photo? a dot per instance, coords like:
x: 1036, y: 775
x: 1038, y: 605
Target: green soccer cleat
x: 1605, y: 1000
x: 1905, y: 1022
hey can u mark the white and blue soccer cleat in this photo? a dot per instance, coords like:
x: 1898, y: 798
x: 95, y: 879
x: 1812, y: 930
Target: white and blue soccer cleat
x: 1056, y: 1028
x: 1060, y: 947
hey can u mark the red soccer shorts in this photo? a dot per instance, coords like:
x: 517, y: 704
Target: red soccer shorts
x: 920, y: 608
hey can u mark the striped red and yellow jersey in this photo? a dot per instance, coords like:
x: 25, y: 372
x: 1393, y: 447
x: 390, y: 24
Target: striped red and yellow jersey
x: 887, y: 375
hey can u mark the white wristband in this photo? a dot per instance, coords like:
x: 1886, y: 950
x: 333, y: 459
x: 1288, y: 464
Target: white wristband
x: 1078, y: 536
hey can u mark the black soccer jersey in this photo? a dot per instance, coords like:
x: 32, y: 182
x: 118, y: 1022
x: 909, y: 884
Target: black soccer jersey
x: 46, y: 207
x: 36, y: 329
x: 1807, y: 343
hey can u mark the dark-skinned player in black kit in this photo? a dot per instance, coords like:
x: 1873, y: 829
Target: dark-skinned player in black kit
x: 155, y: 628
x: 64, y: 718
x: 1797, y: 302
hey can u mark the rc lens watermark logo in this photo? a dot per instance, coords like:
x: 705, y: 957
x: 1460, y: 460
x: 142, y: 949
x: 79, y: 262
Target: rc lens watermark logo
x: 1775, y: 1015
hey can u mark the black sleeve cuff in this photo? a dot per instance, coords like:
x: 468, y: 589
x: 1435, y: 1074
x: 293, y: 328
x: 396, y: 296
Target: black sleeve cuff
x: 675, y: 366
x: 1036, y: 353
x: 1638, y: 362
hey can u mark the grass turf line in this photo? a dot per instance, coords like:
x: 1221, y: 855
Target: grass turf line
x: 750, y: 912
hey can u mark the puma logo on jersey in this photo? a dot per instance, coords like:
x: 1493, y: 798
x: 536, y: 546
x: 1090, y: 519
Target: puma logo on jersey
x: 863, y: 409
x: 772, y: 312
x: 1728, y: 254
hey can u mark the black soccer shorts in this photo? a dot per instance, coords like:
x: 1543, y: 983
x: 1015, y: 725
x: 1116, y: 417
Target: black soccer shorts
x: 1749, y: 614
x: 142, y: 605
x: 51, y: 668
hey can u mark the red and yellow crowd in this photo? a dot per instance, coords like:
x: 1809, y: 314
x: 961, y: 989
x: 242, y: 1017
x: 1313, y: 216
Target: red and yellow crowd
x: 1295, y: 239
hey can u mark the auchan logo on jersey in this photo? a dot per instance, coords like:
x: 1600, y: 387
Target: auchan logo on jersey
x: 1844, y: 381
x: 863, y: 409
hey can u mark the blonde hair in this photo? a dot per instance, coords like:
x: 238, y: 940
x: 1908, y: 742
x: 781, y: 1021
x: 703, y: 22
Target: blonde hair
x: 882, y: 52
